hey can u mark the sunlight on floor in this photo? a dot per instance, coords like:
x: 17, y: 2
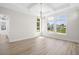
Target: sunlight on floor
x: 41, y: 37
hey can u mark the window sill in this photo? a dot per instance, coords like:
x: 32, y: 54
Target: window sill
x: 57, y: 33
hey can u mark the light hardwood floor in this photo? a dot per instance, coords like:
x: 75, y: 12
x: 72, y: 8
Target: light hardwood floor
x: 43, y: 46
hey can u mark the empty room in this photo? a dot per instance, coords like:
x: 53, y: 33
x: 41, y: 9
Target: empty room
x: 39, y: 29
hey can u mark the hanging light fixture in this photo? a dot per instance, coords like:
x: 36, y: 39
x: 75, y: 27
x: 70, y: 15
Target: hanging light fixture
x: 41, y: 19
x: 41, y: 10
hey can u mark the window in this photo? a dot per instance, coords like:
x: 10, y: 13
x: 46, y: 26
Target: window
x: 38, y: 24
x: 50, y: 25
x: 57, y: 24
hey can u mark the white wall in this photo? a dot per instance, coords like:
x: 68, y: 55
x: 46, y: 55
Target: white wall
x: 72, y: 26
x: 22, y: 26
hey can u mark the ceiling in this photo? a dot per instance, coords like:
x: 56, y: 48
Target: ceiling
x: 35, y: 8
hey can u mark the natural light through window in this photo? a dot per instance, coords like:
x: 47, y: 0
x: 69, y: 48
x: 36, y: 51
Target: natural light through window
x: 38, y: 24
x: 57, y: 24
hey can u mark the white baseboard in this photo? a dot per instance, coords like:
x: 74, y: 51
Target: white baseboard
x: 14, y: 40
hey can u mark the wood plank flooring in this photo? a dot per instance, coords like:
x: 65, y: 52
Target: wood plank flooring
x: 42, y: 46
